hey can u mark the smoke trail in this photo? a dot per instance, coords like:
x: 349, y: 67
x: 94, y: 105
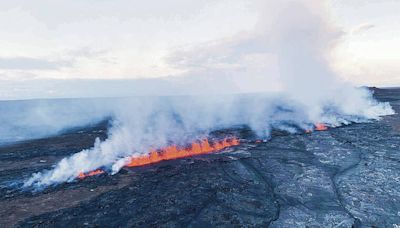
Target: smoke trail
x: 29, y: 119
x: 292, y: 41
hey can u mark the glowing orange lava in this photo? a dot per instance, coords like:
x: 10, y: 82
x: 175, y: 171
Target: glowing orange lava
x: 320, y: 127
x: 173, y: 152
x: 91, y: 173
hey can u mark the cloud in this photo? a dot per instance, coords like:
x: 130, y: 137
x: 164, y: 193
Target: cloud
x: 362, y: 28
x: 28, y: 63
x: 113, y: 39
x: 87, y: 52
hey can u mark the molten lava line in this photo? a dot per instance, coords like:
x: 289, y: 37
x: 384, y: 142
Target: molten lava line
x: 89, y: 174
x: 173, y: 152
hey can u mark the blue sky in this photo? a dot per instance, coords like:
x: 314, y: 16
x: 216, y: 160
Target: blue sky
x: 46, y: 42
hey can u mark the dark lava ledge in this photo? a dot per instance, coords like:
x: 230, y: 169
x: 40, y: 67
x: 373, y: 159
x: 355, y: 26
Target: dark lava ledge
x: 344, y: 177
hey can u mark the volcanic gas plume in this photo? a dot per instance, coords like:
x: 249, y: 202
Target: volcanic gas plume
x: 173, y: 152
x: 293, y: 40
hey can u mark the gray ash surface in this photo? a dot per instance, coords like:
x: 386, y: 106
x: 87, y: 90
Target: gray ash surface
x: 343, y: 177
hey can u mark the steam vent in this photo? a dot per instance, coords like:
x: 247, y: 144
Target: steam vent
x: 336, y: 177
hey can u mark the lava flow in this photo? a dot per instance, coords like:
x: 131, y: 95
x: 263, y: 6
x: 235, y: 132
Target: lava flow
x: 92, y: 173
x: 320, y: 127
x: 173, y: 152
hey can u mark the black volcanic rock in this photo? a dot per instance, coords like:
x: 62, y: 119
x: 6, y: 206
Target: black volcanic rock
x: 343, y: 177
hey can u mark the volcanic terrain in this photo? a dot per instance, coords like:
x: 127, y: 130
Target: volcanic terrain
x: 342, y: 177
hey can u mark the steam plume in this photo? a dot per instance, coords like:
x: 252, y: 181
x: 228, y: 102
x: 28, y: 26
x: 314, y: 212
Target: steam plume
x: 285, y: 60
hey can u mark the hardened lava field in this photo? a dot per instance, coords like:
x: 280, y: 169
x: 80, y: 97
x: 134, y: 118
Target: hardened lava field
x: 342, y: 177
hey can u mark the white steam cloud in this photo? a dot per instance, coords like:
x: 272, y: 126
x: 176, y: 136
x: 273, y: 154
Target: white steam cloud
x: 30, y: 119
x: 283, y: 64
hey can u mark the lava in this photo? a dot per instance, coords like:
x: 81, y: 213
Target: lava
x: 173, y: 152
x: 91, y: 173
x: 320, y: 127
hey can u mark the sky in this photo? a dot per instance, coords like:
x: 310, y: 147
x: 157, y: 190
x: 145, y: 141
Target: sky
x: 370, y: 51
x: 49, y: 48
